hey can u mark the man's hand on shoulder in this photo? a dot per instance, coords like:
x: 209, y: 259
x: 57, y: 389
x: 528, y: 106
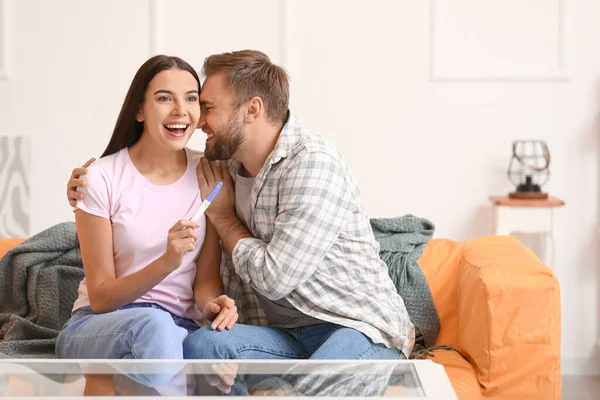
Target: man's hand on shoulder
x: 209, y: 174
x: 221, y: 211
x: 74, y: 182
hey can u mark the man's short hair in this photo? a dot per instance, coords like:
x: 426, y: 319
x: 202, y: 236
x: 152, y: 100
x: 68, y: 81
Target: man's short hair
x: 250, y: 73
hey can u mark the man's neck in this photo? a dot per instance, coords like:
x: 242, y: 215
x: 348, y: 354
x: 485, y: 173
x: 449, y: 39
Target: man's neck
x: 257, y: 149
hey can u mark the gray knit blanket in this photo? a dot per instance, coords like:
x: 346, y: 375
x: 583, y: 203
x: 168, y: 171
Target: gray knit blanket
x: 403, y: 240
x: 38, y: 286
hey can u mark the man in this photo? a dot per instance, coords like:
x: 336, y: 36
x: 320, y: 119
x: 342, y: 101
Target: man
x: 298, y: 248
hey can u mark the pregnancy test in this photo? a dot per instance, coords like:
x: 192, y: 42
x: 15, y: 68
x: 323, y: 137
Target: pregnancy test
x: 207, y: 202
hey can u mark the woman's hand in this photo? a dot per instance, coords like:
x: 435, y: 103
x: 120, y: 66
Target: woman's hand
x: 222, y: 311
x: 181, y: 239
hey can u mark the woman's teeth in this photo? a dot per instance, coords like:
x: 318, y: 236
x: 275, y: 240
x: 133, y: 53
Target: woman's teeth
x: 176, y: 126
x: 176, y: 129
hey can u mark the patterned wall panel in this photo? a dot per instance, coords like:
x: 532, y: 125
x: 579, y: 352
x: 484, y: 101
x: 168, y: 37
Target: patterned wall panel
x: 15, y: 192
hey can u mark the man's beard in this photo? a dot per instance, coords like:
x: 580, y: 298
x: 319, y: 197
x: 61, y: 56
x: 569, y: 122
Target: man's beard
x: 227, y: 143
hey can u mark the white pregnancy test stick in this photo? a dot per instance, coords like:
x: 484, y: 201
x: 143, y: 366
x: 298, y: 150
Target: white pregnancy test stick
x: 207, y: 202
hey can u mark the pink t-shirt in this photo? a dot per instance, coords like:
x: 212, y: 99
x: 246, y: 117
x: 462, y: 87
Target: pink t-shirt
x: 141, y: 214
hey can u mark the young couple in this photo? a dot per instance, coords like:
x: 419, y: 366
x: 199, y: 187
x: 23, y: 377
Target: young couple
x: 289, y: 218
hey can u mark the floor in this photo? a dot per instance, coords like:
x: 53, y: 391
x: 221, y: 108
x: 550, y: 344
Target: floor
x: 575, y: 387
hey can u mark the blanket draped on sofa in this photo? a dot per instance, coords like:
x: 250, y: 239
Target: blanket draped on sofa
x: 402, y: 241
x: 38, y: 286
x: 39, y: 281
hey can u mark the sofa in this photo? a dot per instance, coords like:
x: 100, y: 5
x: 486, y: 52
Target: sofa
x: 499, y: 306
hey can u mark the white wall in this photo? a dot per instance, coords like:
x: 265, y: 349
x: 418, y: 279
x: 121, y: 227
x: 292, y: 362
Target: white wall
x: 423, y: 98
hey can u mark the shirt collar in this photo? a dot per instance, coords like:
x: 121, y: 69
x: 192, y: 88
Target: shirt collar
x: 289, y: 137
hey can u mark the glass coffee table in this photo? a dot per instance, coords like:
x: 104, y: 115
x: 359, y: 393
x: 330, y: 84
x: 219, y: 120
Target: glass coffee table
x: 403, y: 379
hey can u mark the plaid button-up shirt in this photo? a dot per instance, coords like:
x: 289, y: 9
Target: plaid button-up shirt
x: 313, y: 245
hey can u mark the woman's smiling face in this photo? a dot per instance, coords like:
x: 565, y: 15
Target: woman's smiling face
x: 171, y: 108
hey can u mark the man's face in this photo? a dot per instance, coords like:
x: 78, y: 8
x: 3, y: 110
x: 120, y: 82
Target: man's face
x: 220, y: 120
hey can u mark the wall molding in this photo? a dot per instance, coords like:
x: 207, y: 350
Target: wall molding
x: 156, y: 27
x: 286, y: 32
x: 559, y: 76
x: 5, y: 40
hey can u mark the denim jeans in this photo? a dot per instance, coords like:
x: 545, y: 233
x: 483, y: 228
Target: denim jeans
x: 319, y: 342
x: 135, y: 331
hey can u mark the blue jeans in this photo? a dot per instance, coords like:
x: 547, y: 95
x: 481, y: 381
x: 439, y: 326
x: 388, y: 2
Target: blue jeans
x: 137, y: 330
x: 319, y: 342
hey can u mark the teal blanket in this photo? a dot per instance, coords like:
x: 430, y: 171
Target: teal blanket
x: 403, y: 240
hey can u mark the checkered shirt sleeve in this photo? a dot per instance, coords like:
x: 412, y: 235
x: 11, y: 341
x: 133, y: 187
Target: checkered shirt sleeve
x: 313, y: 206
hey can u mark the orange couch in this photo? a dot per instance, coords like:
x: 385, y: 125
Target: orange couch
x: 500, y: 306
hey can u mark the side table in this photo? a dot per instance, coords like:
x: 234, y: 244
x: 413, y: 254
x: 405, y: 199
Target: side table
x: 528, y: 216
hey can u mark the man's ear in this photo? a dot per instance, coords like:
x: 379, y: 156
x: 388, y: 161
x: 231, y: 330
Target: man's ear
x: 254, y: 110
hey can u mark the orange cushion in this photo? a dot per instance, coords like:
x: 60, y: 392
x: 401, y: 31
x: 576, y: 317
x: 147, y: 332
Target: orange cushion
x: 461, y: 374
x: 500, y: 305
x: 7, y: 244
x: 510, y: 319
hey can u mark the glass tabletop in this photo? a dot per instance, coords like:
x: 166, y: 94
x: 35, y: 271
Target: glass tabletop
x: 210, y: 378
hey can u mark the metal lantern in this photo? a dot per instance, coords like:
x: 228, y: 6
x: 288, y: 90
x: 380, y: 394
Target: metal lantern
x: 528, y: 169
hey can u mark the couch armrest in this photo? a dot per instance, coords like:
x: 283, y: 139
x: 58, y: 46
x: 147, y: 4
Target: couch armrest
x: 509, y: 319
x: 7, y: 244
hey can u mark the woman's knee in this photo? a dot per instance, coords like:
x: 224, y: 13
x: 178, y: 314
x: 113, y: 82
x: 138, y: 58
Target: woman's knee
x: 67, y: 344
x: 159, y: 324
x: 157, y: 336
x: 141, y: 332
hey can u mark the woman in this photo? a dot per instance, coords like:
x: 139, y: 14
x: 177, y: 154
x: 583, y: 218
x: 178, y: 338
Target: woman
x: 151, y: 274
